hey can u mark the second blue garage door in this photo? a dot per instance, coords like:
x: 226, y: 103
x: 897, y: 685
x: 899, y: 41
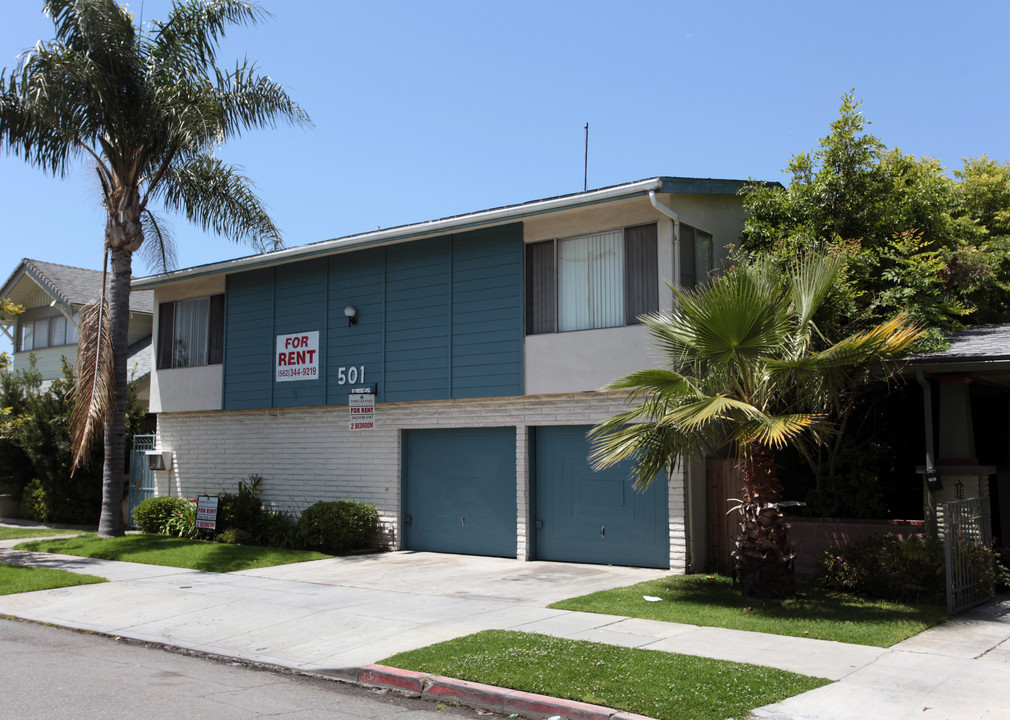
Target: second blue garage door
x: 460, y: 490
x: 589, y: 516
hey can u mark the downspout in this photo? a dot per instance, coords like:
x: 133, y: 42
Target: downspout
x: 688, y: 475
x: 676, y: 233
x: 927, y: 411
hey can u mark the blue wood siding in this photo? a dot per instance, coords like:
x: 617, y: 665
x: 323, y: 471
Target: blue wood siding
x: 356, y: 279
x: 487, y: 313
x: 249, y: 340
x: 437, y: 319
x: 417, y: 321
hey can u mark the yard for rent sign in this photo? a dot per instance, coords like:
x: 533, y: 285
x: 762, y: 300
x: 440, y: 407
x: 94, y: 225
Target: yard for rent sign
x: 297, y: 357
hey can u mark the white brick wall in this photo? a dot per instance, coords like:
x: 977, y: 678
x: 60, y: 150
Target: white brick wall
x: 307, y: 454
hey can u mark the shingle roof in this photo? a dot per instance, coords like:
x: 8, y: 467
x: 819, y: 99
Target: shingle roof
x: 76, y: 286
x: 982, y: 342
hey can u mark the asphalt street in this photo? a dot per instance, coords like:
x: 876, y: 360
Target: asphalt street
x: 49, y: 673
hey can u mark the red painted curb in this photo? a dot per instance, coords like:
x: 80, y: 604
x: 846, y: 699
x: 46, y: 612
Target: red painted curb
x: 407, y: 680
x: 526, y: 703
x: 471, y: 694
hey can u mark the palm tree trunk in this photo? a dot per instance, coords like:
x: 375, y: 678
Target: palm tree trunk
x: 763, y: 559
x: 110, y: 523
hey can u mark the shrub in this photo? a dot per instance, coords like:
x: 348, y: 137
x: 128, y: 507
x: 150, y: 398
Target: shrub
x: 909, y: 570
x: 153, y: 515
x: 183, y: 522
x: 242, y: 510
x: 278, y: 529
x: 235, y: 536
x: 35, y: 502
x: 336, y: 527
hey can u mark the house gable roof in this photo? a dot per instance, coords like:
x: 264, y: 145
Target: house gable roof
x: 69, y: 286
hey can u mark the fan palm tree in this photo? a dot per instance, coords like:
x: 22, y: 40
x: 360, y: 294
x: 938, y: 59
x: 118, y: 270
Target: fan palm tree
x: 148, y: 109
x: 748, y: 368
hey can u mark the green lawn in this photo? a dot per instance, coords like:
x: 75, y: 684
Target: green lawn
x: 17, y: 579
x: 648, y: 682
x: 711, y: 600
x: 13, y: 533
x: 173, y: 551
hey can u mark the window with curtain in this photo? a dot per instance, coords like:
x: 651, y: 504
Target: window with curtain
x: 592, y: 281
x: 191, y: 332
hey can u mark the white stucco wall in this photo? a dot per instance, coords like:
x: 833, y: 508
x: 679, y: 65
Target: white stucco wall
x: 309, y: 454
x: 585, y: 359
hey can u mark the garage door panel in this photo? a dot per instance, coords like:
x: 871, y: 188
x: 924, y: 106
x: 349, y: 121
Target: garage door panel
x: 460, y: 490
x: 593, y: 516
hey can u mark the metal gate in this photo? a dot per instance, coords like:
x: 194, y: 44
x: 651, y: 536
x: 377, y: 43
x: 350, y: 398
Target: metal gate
x: 967, y: 539
x: 141, y: 476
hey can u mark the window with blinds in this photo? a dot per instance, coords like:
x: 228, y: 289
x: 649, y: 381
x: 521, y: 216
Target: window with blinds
x: 592, y: 281
x: 191, y: 332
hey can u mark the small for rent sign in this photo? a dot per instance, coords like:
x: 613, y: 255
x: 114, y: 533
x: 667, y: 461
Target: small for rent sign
x: 206, y: 512
x: 362, y: 410
x: 297, y: 357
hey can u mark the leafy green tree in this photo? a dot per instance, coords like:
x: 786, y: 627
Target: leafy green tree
x: 748, y: 366
x: 914, y: 239
x: 148, y: 108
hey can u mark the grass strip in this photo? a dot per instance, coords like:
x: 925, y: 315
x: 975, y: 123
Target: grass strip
x: 173, y: 551
x: 14, y: 533
x: 18, y: 579
x: 711, y: 600
x: 649, y: 682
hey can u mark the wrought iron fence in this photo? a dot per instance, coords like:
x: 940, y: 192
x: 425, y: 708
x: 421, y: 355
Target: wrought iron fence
x: 967, y: 533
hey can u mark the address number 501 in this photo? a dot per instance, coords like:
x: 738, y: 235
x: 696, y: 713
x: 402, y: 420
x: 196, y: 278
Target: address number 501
x: 350, y: 375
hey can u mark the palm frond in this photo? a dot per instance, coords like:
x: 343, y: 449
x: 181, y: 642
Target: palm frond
x: 158, y: 250
x: 94, y: 387
x: 218, y: 197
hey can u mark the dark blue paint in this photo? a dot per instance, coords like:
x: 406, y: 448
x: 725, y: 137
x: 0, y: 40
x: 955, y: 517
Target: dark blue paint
x: 573, y: 503
x: 459, y: 490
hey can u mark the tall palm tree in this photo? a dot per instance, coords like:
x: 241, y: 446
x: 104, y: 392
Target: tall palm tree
x: 148, y: 108
x: 748, y: 368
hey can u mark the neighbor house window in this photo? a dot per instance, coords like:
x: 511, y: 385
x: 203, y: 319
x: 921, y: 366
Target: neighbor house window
x: 46, y: 332
x: 697, y: 257
x: 601, y: 280
x: 191, y: 332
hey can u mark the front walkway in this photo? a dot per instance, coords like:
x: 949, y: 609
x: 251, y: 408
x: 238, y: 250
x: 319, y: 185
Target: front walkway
x: 329, y: 616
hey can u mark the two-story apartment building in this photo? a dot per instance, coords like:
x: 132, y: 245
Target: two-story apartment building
x: 485, y: 339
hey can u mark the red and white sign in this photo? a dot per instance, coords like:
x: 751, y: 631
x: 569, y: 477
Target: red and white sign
x: 362, y: 410
x: 297, y: 357
x: 206, y: 512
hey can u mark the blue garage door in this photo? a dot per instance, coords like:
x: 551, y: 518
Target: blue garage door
x: 591, y: 516
x: 460, y: 490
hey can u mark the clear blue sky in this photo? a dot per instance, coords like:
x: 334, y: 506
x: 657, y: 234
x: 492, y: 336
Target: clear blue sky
x: 429, y: 109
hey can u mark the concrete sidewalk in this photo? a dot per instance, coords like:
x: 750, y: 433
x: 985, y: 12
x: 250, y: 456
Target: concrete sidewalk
x: 334, y: 616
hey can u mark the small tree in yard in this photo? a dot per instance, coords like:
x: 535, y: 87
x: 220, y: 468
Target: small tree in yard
x: 148, y: 108
x: 747, y: 367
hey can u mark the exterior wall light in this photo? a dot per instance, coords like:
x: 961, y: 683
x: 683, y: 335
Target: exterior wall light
x: 352, y: 315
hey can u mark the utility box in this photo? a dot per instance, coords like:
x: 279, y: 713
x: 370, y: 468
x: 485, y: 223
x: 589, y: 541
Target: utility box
x: 159, y: 459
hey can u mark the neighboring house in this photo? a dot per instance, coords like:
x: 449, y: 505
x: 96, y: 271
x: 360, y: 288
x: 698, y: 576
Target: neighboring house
x: 485, y: 337
x: 966, y: 423
x: 52, y: 296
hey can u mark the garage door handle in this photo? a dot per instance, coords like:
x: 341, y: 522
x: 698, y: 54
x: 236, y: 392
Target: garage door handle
x: 410, y: 520
x: 540, y: 524
x: 462, y: 520
x: 603, y: 531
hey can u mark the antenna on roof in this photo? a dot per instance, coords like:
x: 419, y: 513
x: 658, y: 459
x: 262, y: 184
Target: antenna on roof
x: 585, y: 174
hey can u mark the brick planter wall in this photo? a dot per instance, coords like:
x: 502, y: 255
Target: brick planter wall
x: 812, y: 536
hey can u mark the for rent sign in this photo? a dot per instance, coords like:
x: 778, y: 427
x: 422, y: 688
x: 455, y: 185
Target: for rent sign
x: 297, y: 357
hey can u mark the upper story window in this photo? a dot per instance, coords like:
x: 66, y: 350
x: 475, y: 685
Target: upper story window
x: 592, y: 281
x: 697, y: 256
x: 191, y: 332
x: 46, y: 332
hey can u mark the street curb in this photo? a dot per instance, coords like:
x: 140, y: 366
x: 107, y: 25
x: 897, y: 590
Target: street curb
x: 485, y: 697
